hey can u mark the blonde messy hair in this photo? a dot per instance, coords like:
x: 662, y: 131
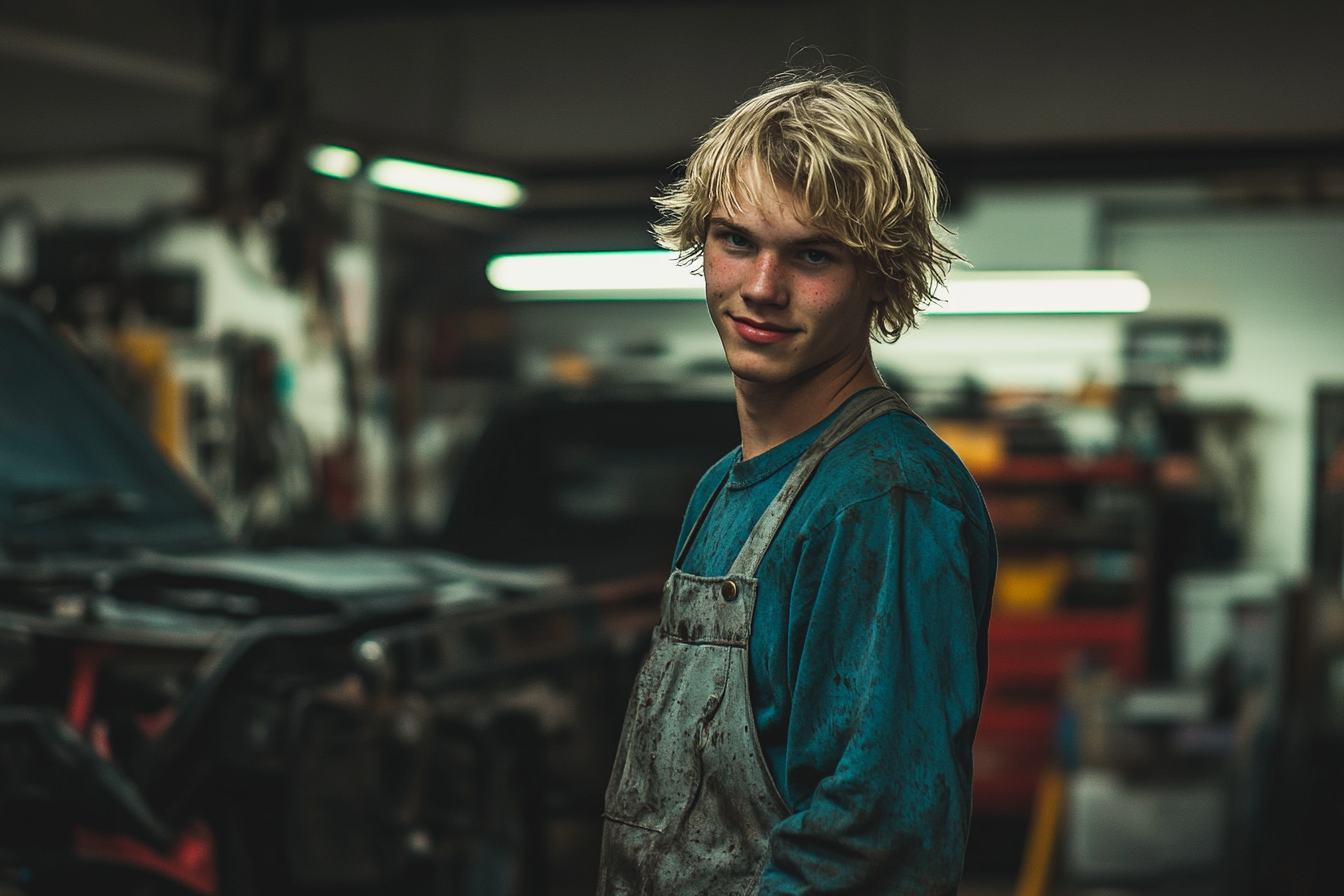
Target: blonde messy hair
x: 852, y: 164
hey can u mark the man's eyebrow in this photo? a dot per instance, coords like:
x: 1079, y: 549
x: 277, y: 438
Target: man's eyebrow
x: 724, y: 222
x: 819, y: 239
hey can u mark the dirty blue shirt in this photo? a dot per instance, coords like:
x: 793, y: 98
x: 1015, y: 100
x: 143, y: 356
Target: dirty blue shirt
x: 867, y: 652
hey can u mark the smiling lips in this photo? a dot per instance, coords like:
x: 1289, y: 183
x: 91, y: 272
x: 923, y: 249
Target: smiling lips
x: 759, y: 331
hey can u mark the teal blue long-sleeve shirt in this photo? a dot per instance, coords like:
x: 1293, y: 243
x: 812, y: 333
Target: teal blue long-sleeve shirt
x: 867, y: 652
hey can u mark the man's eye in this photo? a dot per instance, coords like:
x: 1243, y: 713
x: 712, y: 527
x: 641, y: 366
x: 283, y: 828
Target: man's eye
x: 736, y: 240
x: 815, y: 256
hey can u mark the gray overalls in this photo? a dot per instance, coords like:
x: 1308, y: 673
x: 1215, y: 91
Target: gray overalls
x: 691, y: 803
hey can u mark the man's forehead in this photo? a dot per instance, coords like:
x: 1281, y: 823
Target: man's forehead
x: 753, y: 196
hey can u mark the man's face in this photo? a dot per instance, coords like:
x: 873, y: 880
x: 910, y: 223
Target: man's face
x: 789, y: 302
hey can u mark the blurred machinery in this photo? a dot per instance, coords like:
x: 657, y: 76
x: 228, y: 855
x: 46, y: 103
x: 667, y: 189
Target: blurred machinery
x: 181, y: 717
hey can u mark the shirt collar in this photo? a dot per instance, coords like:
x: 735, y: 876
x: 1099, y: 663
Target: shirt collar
x: 746, y: 473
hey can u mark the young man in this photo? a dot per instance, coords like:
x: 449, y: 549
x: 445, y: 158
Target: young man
x: 803, y: 723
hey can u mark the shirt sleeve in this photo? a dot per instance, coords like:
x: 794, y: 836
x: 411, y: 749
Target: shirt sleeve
x: 885, y: 616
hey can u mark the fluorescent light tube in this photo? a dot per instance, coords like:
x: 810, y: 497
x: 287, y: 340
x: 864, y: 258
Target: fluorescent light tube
x: 446, y: 183
x: 657, y: 275
x: 651, y: 274
x: 1042, y: 292
x: 334, y: 161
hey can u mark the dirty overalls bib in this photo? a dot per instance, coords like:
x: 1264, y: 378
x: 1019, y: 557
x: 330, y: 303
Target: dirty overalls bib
x: 691, y: 802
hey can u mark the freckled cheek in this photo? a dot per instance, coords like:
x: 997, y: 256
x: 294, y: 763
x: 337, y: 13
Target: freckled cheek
x: 717, y: 284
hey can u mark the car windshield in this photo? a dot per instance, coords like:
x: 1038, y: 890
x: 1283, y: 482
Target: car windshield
x: 76, y: 472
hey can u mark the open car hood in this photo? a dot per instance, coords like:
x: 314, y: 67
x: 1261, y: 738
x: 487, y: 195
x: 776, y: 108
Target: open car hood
x: 77, y: 474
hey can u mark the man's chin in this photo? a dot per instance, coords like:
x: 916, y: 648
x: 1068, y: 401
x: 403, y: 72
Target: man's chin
x: 748, y: 373
x: 764, y: 376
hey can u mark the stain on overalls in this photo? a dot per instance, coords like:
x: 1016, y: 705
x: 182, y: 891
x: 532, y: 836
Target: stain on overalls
x: 691, y: 802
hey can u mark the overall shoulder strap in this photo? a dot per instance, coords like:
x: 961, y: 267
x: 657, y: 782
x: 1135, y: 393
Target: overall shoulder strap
x: 863, y: 408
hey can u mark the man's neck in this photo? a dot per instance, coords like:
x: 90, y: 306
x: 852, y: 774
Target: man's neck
x: 772, y: 413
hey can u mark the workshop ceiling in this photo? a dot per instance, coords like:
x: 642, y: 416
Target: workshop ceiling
x: 567, y: 87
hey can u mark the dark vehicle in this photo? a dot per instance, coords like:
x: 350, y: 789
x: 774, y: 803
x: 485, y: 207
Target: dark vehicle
x: 598, y: 482
x: 180, y: 716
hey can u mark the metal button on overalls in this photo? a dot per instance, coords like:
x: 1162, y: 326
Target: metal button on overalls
x: 691, y: 803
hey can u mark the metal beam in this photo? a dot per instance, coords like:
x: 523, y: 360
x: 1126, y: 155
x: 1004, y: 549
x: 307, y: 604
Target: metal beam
x: 88, y: 57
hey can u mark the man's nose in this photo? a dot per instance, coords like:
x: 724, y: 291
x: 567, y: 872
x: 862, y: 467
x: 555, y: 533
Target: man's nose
x: 765, y: 282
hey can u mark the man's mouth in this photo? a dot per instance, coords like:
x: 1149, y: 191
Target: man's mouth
x: 759, y: 331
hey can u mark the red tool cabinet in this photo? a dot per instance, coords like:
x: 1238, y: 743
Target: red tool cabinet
x: 1080, y: 511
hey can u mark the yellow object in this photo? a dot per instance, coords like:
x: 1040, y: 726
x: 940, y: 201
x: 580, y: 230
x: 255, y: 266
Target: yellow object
x: 980, y: 446
x: 1034, y: 877
x: 573, y: 369
x: 1092, y: 394
x: 146, y: 352
x: 1030, y: 585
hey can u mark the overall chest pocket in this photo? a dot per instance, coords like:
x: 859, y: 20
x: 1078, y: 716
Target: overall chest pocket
x: 679, y: 694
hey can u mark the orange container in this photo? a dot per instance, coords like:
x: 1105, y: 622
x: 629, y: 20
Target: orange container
x: 1030, y: 585
x: 980, y: 446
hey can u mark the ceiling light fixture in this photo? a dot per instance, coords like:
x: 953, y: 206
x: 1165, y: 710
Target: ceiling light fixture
x: 589, y: 276
x: 446, y: 183
x: 653, y: 274
x: 334, y: 161
x: 1042, y: 292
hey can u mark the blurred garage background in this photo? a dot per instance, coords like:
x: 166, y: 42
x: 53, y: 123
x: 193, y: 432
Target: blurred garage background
x: 292, y: 240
